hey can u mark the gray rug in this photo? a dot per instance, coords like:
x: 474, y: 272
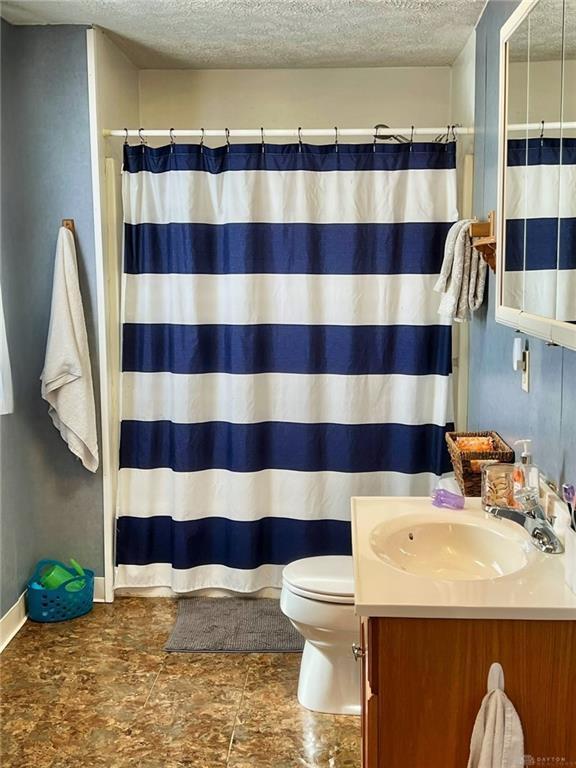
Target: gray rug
x: 232, y: 625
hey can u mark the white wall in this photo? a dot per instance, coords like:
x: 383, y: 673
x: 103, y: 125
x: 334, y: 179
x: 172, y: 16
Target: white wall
x: 462, y: 105
x: 543, y: 99
x: 462, y: 97
x: 286, y: 98
x: 113, y: 93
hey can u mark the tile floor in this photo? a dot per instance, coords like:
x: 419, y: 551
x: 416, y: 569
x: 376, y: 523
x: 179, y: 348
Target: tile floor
x: 100, y: 691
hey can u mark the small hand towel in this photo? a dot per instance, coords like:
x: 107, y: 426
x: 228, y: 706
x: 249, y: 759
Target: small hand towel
x: 6, y: 394
x: 497, y: 739
x: 462, y: 277
x: 67, y: 375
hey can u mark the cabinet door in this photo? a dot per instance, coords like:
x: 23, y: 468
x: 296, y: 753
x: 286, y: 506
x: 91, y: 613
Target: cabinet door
x: 431, y: 679
x: 370, y: 660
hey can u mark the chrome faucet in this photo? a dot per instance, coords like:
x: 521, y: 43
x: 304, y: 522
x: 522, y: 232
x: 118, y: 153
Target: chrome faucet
x: 532, y: 518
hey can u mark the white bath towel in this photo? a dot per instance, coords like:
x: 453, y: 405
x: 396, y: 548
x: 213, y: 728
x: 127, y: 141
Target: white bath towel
x: 462, y: 277
x: 67, y: 375
x: 6, y: 394
x: 497, y: 739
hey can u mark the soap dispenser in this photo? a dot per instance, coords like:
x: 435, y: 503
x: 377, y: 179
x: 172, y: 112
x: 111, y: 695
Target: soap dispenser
x: 526, y: 474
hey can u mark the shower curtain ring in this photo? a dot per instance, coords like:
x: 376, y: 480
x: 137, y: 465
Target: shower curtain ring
x: 542, y: 133
x: 299, y: 138
x: 411, y: 137
x: 142, y: 139
x: 227, y: 139
x: 262, y: 139
x: 336, y: 138
x: 202, y: 140
x: 172, y: 142
x: 125, y: 137
x: 377, y: 135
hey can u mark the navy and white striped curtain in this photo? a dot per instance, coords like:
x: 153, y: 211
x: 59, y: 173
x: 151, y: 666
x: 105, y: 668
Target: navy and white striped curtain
x: 540, y: 275
x: 282, y: 352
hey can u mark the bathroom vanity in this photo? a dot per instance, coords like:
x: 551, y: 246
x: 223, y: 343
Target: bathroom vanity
x: 442, y: 595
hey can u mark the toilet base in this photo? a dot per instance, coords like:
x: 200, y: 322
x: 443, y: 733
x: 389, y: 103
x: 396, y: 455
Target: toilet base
x: 329, y: 679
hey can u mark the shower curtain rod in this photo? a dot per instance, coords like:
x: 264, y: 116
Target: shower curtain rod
x: 542, y: 125
x: 288, y: 132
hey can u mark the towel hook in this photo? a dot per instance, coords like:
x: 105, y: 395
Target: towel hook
x: 262, y: 139
x: 495, y: 677
x: 202, y: 141
x: 299, y: 138
x: 227, y: 139
x: 336, y: 138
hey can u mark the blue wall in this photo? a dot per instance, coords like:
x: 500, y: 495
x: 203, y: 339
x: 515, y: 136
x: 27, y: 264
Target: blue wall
x: 50, y: 505
x: 547, y: 414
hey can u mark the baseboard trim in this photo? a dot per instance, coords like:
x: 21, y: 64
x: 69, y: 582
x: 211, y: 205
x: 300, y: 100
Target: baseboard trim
x: 13, y: 621
x: 99, y: 589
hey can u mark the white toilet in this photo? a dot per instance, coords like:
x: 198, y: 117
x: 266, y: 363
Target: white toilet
x: 318, y: 598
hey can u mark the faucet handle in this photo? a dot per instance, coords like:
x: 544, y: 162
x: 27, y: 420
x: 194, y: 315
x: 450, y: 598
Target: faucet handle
x: 528, y: 497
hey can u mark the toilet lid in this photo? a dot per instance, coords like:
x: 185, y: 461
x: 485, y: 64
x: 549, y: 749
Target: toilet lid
x: 329, y: 578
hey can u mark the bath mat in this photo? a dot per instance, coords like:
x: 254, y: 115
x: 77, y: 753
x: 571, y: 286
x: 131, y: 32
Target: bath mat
x: 232, y: 625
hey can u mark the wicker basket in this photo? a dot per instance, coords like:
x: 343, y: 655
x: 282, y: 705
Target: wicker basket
x: 468, y: 465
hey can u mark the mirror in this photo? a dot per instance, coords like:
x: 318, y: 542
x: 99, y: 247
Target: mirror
x: 537, y: 205
x: 566, y: 289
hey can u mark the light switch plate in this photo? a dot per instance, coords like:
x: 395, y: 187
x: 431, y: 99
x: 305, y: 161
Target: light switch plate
x: 526, y: 372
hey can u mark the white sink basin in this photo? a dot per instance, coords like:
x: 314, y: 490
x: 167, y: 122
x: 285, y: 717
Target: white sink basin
x: 471, y: 550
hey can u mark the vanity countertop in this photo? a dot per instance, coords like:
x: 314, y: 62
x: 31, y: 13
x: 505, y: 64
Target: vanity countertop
x: 536, y: 591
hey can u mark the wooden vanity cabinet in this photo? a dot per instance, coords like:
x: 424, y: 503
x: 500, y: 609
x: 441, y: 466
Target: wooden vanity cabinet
x: 423, y: 681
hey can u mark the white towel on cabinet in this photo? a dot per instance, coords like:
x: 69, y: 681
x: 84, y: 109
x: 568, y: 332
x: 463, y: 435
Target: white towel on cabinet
x: 497, y: 739
x: 67, y: 375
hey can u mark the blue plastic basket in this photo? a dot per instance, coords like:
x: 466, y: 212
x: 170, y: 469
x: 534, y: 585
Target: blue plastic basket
x: 59, y: 604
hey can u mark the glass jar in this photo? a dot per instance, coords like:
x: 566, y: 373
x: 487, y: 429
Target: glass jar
x: 498, y: 485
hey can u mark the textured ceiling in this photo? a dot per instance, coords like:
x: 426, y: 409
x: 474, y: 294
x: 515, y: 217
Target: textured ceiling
x: 547, y: 33
x: 227, y: 34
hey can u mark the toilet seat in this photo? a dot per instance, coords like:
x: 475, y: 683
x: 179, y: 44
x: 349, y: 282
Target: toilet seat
x: 327, y: 579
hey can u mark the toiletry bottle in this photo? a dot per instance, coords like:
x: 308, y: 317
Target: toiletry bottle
x: 525, y: 472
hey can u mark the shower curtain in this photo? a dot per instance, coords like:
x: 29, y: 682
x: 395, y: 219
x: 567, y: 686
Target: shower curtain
x: 540, y: 274
x: 282, y: 351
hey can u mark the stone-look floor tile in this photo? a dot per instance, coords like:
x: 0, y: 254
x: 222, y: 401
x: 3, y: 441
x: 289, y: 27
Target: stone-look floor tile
x: 72, y: 665
x: 192, y: 739
x: 273, y: 729
x: 306, y: 742
x: 100, y: 692
x: 211, y: 669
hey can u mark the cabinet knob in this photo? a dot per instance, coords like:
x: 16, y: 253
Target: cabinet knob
x: 357, y: 651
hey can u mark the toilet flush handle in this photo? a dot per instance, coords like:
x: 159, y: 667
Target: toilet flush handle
x: 357, y: 651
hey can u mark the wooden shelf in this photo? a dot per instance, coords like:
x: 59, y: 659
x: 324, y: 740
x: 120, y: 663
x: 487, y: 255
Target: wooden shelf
x: 484, y: 239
